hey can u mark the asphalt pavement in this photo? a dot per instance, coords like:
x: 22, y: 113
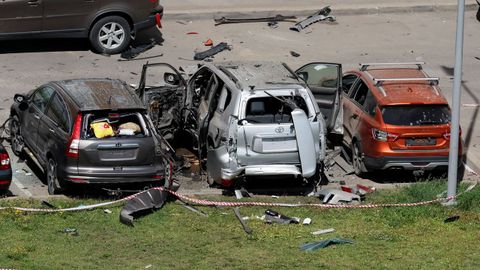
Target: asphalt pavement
x: 364, y: 37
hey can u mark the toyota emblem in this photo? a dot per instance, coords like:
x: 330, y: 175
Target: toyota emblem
x: 279, y: 130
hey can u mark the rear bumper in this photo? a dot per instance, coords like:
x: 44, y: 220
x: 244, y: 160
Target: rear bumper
x: 5, y: 179
x: 407, y: 163
x: 262, y: 170
x: 107, y: 175
x: 152, y: 20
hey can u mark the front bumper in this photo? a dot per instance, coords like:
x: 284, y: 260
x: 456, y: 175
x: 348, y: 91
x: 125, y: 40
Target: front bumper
x: 406, y: 163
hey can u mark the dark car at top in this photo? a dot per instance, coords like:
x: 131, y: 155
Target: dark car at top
x: 88, y: 131
x: 108, y: 24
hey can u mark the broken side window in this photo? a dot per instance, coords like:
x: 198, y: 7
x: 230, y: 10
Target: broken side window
x: 224, y: 100
x: 100, y: 125
x: 272, y: 110
x: 360, y: 93
x: 370, y: 104
x: 347, y: 82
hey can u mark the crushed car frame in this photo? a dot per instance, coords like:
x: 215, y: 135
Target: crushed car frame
x: 247, y: 119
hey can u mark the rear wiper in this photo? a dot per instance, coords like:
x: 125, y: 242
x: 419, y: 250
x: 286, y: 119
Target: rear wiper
x: 288, y: 102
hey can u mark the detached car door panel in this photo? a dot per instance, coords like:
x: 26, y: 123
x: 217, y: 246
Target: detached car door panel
x: 17, y: 16
x: 324, y: 80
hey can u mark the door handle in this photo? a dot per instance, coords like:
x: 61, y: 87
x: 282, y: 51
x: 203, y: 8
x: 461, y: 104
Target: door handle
x: 355, y: 116
x: 33, y: 3
x: 51, y: 130
x: 36, y: 116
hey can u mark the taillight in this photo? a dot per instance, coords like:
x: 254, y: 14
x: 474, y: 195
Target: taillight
x: 383, y: 136
x: 74, y: 142
x: 4, y: 161
x: 158, y: 20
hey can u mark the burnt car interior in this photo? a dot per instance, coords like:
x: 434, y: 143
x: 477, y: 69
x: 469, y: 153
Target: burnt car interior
x: 100, y: 125
x: 272, y: 110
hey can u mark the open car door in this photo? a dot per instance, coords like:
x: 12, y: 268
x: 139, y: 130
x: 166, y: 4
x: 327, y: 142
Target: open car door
x: 325, y: 82
x: 162, y: 90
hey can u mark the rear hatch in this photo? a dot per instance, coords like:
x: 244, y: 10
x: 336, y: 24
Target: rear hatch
x: 417, y: 127
x: 269, y: 133
x: 115, y: 140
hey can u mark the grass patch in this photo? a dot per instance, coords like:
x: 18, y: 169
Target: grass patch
x: 175, y: 238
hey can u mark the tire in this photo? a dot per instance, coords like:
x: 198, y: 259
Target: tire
x: 110, y: 35
x: 15, y: 137
x: 357, y: 160
x: 53, y: 183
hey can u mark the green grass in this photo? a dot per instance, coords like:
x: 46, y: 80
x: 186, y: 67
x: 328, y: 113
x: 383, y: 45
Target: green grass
x: 176, y: 238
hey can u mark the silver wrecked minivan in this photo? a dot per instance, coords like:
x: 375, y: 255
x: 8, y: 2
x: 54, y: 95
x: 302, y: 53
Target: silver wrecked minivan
x: 248, y: 119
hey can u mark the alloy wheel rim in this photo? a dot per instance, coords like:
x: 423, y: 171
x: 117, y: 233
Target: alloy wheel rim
x: 111, y: 35
x: 51, y: 175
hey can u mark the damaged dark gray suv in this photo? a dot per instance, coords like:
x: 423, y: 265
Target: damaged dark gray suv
x: 88, y: 131
x: 109, y: 24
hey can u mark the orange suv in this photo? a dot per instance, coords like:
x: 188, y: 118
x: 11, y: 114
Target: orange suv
x: 395, y: 117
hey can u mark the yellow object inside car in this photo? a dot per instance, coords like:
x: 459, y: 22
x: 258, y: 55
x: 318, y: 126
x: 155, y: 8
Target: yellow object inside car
x: 102, y: 130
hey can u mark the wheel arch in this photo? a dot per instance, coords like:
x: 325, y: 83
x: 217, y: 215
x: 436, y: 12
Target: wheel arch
x: 119, y: 13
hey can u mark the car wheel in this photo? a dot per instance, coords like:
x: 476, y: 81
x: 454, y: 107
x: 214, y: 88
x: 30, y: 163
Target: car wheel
x: 110, y: 35
x: 357, y: 160
x: 52, y: 179
x: 15, y: 137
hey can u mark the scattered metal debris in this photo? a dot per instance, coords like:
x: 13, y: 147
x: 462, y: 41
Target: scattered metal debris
x: 133, y: 52
x: 325, y: 231
x: 478, y: 12
x: 452, y: 219
x: 107, y: 211
x: 208, y: 43
x: 141, y: 58
x: 242, y: 192
x: 245, y: 227
x: 335, y: 196
x: 273, y: 25
x: 48, y: 204
x: 150, y: 200
x: 307, y: 221
x: 70, y: 231
x: 294, y: 54
x: 212, y: 51
x: 324, y: 243
x: 321, y: 15
x: 275, y: 217
x: 191, y: 208
x: 192, y: 33
x: 476, y: 57
x: 277, y: 18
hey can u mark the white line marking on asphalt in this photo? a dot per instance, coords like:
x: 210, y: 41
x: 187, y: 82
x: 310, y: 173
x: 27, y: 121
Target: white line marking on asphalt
x: 21, y: 187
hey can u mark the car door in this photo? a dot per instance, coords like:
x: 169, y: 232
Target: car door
x: 324, y: 80
x: 31, y: 118
x: 17, y: 16
x: 220, y: 116
x: 54, y: 129
x: 348, y: 81
x: 68, y: 15
x: 354, y: 113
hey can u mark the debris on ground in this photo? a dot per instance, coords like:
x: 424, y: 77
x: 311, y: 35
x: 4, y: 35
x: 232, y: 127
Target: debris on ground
x: 212, y: 51
x: 151, y: 199
x: 245, y: 227
x: 307, y: 221
x: 141, y: 58
x: 321, y: 15
x: 478, y: 12
x: 275, y: 217
x: 208, y: 43
x: 472, y: 105
x: 335, y: 196
x: 242, y: 192
x: 324, y: 243
x: 272, y: 24
x: 452, y: 219
x: 48, y: 204
x: 294, y: 54
x: 325, y: 231
x: 191, y: 208
x: 192, y: 33
x: 476, y: 57
x: 133, y: 52
x: 359, y: 190
x: 70, y: 231
x: 277, y: 18
x: 107, y: 211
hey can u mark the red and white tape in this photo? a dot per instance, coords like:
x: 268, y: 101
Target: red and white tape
x: 238, y: 204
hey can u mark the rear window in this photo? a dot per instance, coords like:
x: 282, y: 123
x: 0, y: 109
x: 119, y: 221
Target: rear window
x: 271, y: 110
x: 102, y: 125
x: 416, y: 115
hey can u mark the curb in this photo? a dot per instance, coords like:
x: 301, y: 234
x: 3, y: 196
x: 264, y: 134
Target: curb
x: 211, y: 14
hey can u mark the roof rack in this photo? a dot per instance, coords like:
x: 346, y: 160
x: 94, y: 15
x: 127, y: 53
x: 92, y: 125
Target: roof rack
x: 379, y: 82
x: 364, y: 66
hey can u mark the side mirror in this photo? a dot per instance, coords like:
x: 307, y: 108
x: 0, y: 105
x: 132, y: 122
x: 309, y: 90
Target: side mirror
x: 22, y: 100
x: 171, y: 78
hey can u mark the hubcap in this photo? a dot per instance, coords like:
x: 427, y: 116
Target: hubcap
x: 111, y: 35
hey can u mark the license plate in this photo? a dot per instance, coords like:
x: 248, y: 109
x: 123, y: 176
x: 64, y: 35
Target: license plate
x: 421, y: 142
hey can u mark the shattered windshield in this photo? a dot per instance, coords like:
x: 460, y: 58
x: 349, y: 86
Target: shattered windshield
x: 416, y: 115
x: 272, y: 110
